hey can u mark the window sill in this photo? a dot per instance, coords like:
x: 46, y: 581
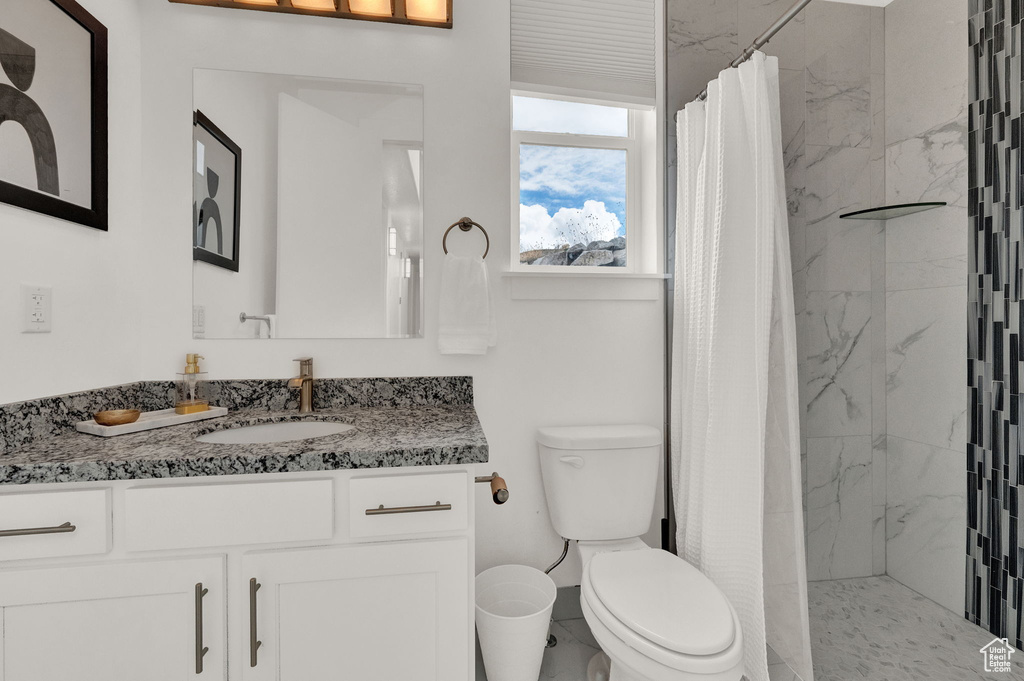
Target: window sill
x: 584, y: 286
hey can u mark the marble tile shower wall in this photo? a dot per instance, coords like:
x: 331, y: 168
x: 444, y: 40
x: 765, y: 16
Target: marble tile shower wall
x: 927, y: 56
x: 832, y: 65
x: 995, y: 466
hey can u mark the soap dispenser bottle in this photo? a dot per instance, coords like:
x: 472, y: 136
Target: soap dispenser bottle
x: 191, y: 388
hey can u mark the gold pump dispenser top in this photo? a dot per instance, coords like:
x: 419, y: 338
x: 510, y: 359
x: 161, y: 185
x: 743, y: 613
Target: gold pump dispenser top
x: 192, y: 363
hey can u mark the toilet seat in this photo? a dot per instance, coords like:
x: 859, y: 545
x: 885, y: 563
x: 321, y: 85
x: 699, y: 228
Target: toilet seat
x: 652, y: 592
x: 642, y: 598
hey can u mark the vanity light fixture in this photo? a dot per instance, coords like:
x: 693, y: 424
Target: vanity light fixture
x: 377, y: 8
x: 435, y: 13
x: 427, y: 10
x: 392, y: 241
x: 319, y: 5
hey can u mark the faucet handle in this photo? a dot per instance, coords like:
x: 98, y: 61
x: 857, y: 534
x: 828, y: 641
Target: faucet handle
x: 305, y: 365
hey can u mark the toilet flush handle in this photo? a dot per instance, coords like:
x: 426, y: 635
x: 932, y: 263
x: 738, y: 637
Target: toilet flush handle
x: 574, y: 461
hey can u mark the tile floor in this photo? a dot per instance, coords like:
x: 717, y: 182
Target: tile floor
x: 870, y: 629
x: 568, y: 660
x: 876, y: 629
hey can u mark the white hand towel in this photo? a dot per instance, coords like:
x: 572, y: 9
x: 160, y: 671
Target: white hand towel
x: 466, y: 319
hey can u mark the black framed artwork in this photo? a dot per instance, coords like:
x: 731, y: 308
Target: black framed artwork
x: 53, y: 110
x: 216, y: 194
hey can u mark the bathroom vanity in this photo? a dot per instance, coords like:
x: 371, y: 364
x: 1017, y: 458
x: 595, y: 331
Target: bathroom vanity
x: 151, y: 556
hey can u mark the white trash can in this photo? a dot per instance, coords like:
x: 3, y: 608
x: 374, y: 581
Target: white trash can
x: 513, y: 612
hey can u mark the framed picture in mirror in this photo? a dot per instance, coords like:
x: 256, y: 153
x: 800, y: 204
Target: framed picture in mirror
x: 216, y: 194
x: 53, y: 91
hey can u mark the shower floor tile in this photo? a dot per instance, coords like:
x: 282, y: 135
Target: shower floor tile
x: 876, y: 629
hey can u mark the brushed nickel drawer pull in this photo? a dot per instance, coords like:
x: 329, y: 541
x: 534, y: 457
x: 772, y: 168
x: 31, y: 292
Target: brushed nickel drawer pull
x: 254, y: 642
x: 380, y: 510
x: 59, y: 529
x: 201, y: 650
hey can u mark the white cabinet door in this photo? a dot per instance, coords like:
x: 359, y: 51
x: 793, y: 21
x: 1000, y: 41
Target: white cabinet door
x: 114, y: 621
x: 396, y: 611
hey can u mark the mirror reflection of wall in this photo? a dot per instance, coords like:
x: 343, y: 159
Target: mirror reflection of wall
x: 331, y: 208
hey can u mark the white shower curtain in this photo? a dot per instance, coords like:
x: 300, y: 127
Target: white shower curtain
x: 734, y: 375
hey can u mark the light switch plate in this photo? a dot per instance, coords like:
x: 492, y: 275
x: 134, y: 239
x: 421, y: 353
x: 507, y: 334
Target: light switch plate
x: 38, y: 305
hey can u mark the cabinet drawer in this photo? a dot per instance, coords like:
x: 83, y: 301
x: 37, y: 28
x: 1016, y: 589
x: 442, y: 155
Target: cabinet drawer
x: 193, y: 516
x: 87, y: 511
x: 406, y: 500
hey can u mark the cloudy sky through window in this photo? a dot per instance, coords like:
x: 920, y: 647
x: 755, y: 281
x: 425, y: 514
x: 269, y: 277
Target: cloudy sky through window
x: 570, y: 195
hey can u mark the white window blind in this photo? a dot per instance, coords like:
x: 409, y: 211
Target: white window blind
x: 600, y: 46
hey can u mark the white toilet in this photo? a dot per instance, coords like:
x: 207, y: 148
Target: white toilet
x: 656, y: 616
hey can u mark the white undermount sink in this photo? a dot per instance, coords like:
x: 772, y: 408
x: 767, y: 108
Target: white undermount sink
x: 266, y: 433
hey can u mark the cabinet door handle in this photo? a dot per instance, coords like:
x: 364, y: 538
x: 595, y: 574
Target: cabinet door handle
x: 58, y: 529
x: 380, y: 510
x: 201, y: 650
x: 254, y: 642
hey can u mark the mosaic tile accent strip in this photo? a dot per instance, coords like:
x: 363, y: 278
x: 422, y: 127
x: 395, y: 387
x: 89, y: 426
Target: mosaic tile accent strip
x: 995, y: 460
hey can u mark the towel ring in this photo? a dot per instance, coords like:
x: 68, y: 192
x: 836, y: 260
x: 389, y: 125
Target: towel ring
x: 465, y: 224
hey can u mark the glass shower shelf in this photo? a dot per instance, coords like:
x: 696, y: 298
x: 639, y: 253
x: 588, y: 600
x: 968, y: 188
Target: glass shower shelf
x: 895, y: 211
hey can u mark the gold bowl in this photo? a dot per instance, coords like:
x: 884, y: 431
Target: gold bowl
x: 116, y: 417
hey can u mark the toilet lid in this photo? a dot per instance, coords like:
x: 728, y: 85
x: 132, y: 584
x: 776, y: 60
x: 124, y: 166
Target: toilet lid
x: 664, y: 599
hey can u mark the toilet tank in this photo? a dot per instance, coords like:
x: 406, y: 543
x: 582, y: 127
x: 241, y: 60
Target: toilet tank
x: 600, y: 481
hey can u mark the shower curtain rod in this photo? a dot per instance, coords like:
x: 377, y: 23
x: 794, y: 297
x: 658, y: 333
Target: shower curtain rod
x: 763, y: 39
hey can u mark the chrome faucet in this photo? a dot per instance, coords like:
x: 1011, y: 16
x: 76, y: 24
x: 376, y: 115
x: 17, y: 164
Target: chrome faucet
x: 304, y: 382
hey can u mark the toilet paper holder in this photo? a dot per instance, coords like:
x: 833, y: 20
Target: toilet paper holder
x: 499, y: 490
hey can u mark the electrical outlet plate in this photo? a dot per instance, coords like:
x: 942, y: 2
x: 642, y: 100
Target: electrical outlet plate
x: 38, y: 306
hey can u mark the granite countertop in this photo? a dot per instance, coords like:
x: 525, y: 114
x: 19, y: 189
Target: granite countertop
x: 384, y: 436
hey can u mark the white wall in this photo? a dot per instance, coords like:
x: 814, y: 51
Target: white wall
x: 97, y: 293
x: 557, y: 362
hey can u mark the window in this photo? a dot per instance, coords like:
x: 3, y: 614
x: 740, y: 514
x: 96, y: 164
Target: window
x: 575, y: 195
